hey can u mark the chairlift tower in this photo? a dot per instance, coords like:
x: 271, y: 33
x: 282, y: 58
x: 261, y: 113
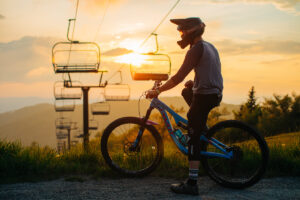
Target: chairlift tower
x: 77, y: 57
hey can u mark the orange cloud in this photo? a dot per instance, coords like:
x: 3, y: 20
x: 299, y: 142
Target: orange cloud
x: 285, y: 47
x: 96, y: 6
x: 287, y: 6
x: 37, y: 72
x: 117, y: 52
x: 17, y: 89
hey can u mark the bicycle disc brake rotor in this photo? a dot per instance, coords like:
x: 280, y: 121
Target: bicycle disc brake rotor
x: 129, y: 149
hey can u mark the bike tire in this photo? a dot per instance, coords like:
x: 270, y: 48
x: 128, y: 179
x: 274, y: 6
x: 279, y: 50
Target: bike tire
x: 153, y: 135
x: 245, y: 149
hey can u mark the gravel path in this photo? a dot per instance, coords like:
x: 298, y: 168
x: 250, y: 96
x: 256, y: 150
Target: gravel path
x: 148, y: 188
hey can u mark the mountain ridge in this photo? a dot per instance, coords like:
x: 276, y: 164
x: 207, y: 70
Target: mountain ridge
x: 37, y: 123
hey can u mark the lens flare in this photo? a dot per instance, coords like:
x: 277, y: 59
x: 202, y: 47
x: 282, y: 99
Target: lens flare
x: 133, y: 58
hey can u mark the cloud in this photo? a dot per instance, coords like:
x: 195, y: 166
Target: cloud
x: 21, y: 60
x: 98, y: 3
x: 2, y: 17
x: 259, y: 47
x: 287, y: 6
x: 16, y: 89
x: 117, y: 52
x: 93, y: 6
x: 291, y: 62
x: 38, y: 72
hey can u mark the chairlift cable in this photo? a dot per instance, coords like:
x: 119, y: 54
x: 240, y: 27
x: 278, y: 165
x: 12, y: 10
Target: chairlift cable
x: 75, y: 17
x: 173, y: 7
x: 99, y: 26
x: 76, y: 11
x: 115, y: 72
x: 102, y: 19
x: 159, y: 24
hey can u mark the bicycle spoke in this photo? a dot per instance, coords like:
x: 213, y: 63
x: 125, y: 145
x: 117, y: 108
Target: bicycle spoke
x: 121, y: 142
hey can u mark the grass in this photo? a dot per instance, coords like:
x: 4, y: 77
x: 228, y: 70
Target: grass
x: 35, y: 163
x: 284, y: 155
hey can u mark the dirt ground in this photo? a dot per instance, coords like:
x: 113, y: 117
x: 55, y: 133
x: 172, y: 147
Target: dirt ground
x: 287, y: 188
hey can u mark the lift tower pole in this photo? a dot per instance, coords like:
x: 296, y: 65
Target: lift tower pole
x: 85, y: 91
x: 69, y: 139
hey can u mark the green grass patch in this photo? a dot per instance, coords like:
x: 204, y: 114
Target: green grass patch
x: 35, y: 163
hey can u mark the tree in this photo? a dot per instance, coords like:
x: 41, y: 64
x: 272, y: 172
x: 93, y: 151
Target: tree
x: 250, y: 111
x: 280, y: 114
x: 251, y: 102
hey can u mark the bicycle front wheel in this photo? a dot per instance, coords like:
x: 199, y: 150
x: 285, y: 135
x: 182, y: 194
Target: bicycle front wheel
x: 250, y: 154
x: 120, y: 152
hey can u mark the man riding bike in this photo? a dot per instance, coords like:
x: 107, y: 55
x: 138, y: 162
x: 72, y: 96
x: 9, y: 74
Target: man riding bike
x: 202, y: 94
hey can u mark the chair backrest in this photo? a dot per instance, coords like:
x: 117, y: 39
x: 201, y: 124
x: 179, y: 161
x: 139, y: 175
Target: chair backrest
x: 151, y: 66
x: 75, y: 57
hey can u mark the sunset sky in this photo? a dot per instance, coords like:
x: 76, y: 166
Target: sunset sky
x: 258, y: 41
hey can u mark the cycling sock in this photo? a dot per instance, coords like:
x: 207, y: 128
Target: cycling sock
x: 193, y: 176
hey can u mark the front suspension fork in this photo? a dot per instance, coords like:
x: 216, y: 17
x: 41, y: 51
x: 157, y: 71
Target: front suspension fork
x: 137, y: 141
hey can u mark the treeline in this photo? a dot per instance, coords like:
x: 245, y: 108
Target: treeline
x: 275, y: 115
x: 279, y: 114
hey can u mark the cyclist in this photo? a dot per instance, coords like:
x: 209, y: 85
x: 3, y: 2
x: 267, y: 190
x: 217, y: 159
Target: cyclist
x: 202, y: 94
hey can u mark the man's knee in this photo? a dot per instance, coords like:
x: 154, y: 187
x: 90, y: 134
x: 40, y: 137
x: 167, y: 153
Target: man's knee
x: 187, y: 94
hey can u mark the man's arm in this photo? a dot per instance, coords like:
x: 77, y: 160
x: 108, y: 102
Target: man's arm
x: 167, y: 86
x: 191, y: 60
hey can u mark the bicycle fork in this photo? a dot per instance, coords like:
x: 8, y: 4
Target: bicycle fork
x: 137, y: 142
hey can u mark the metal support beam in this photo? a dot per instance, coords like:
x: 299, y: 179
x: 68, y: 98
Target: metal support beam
x: 69, y: 139
x: 85, y: 91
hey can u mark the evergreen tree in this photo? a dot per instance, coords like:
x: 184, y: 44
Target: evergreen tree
x: 251, y: 102
x: 250, y: 111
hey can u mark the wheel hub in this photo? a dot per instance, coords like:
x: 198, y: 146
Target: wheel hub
x: 237, y: 153
x: 130, y: 150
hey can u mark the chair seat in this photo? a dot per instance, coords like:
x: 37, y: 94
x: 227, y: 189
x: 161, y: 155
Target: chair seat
x: 149, y: 76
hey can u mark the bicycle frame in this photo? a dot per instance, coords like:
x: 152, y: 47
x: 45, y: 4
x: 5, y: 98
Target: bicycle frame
x: 163, y: 109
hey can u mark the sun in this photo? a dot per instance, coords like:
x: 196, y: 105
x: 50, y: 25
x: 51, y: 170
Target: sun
x: 135, y: 59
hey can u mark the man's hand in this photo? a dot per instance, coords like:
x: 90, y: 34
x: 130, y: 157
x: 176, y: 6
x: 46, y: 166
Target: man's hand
x: 151, y: 94
x: 189, y: 84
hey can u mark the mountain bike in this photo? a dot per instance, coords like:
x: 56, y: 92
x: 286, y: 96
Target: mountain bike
x: 233, y: 153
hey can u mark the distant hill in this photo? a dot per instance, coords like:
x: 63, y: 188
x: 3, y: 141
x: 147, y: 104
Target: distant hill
x: 13, y: 103
x: 36, y: 123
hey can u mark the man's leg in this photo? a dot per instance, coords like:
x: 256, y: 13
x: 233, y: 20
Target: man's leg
x: 187, y: 94
x: 197, y: 117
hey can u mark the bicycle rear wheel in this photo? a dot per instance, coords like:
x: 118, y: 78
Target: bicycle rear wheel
x: 250, y: 155
x: 117, y: 142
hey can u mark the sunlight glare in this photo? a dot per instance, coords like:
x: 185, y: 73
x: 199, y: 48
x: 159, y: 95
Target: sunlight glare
x: 131, y: 58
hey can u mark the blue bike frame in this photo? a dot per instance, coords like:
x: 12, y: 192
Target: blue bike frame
x: 163, y: 109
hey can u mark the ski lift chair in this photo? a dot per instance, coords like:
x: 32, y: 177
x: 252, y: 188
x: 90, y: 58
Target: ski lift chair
x: 63, y: 123
x: 61, y: 133
x: 93, y: 124
x: 117, y: 92
x: 61, y: 137
x: 64, y: 106
x: 75, y: 57
x: 62, y: 92
x: 100, y: 108
x: 153, y: 66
